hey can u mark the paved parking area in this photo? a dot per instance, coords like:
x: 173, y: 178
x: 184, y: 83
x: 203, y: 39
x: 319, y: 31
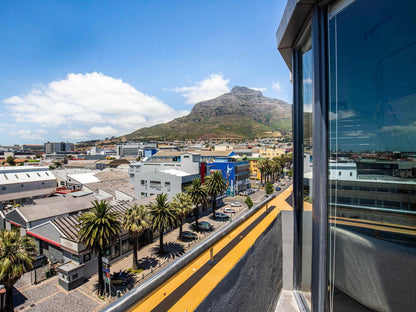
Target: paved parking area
x: 48, y: 296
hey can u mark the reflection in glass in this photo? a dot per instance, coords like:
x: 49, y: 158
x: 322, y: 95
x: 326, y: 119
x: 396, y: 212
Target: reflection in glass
x: 307, y: 168
x: 372, y: 146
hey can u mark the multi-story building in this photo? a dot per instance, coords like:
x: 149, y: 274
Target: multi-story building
x: 164, y: 175
x: 352, y: 63
x: 58, y: 147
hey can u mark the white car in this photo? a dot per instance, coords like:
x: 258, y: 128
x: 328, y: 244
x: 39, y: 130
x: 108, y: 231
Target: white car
x: 228, y: 210
x: 236, y: 204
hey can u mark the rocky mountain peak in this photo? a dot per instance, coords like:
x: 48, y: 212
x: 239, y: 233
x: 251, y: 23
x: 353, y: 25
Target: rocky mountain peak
x: 237, y: 90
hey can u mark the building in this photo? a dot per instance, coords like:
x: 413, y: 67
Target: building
x: 164, y: 174
x: 58, y: 147
x: 236, y: 175
x: 19, y: 185
x: 352, y: 63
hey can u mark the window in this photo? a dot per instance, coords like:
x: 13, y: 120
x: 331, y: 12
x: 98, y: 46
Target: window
x: 3, y: 188
x: 372, y: 70
x: 75, y: 276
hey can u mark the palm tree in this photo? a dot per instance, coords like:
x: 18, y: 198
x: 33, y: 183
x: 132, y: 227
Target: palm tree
x: 163, y: 216
x: 198, y: 195
x: 136, y: 222
x: 215, y: 186
x: 97, y: 229
x: 16, y: 256
x: 261, y: 165
x: 182, y: 203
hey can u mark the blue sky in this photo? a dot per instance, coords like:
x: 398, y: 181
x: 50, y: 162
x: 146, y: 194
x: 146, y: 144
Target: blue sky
x: 77, y: 70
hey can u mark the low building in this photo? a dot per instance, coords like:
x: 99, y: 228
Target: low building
x: 19, y: 185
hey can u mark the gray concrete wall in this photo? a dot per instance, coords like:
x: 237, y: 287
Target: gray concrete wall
x: 255, y: 283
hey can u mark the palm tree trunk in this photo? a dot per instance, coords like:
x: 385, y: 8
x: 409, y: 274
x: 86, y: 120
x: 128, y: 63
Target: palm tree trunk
x: 161, y: 249
x: 135, y: 247
x: 196, y: 217
x: 9, y: 299
x: 180, y: 229
x: 100, y: 274
x: 214, y: 206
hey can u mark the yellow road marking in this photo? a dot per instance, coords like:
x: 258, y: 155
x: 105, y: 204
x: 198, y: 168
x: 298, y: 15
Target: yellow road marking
x: 202, y: 289
x: 153, y: 299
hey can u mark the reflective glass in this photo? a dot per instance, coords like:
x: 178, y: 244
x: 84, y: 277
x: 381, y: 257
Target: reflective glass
x: 372, y: 148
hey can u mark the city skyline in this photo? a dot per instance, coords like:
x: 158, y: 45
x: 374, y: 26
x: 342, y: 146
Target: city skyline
x: 77, y: 71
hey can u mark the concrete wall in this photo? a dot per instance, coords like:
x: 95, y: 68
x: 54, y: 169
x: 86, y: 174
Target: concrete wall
x: 255, y: 283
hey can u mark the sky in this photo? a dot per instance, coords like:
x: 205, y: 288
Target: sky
x: 80, y: 70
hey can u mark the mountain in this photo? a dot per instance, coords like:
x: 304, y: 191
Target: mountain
x: 241, y: 113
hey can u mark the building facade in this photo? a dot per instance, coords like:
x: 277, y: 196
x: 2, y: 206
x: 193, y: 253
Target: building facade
x: 164, y: 175
x: 354, y: 71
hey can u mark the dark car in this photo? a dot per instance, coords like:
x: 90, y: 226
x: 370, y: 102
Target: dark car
x: 278, y: 188
x: 220, y: 215
x: 204, y: 225
x: 39, y: 261
x: 188, y: 235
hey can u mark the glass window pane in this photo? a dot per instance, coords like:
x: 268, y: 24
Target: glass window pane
x: 372, y: 147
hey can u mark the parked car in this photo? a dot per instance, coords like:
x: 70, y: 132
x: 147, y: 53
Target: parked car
x: 188, y: 235
x: 282, y: 183
x: 236, y: 204
x: 287, y: 180
x: 39, y: 261
x: 278, y: 188
x: 228, y: 210
x: 220, y: 215
x: 204, y: 225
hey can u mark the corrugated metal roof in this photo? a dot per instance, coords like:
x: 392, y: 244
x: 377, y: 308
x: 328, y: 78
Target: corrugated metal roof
x: 26, y: 194
x: 25, y: 177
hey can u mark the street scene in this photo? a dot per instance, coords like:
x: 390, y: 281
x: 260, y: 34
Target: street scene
x: 47, y: 295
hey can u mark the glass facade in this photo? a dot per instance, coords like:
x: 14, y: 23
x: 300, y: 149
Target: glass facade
x: 355, y: 119
x: 372, y: 149
x: 305, y: 279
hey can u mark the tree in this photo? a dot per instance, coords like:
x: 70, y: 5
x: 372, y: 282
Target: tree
x: 261, y: 165
x: 97, y: 229
x: 163, y: 217
x: 10, y: 160
x: 215, y: 185
x: 269, y: 188
x: 249, y: 202
x: 198, y: 196
x: 136, y: 222
x: 17, y: 254
x: 182, y: 203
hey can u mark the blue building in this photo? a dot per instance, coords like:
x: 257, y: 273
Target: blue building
x: 235, y: 173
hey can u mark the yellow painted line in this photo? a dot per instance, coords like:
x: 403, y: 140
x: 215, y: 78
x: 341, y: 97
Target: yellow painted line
x: 192, y: 299
x: 374, y: 222
x: 154, y: 298
x: 375, y: 227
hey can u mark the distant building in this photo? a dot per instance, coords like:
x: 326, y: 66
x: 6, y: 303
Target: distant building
x: 58, y: 147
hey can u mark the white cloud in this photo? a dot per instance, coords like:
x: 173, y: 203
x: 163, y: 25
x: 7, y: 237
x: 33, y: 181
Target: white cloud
x: 92, y: 99
x: 103, y: 131
x: 307, y: 81
x: 74, y: 134
x: 342, y: 114
x: 27, y: 134
x: 276, y: 86
x: 209, y: 88
x: 260, y: 89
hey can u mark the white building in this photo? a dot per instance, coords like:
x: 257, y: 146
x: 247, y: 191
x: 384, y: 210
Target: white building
x: 23, y: 183
x: 168, y: 176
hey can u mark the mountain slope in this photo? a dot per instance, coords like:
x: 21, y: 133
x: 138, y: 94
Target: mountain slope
x: 242, y: 113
